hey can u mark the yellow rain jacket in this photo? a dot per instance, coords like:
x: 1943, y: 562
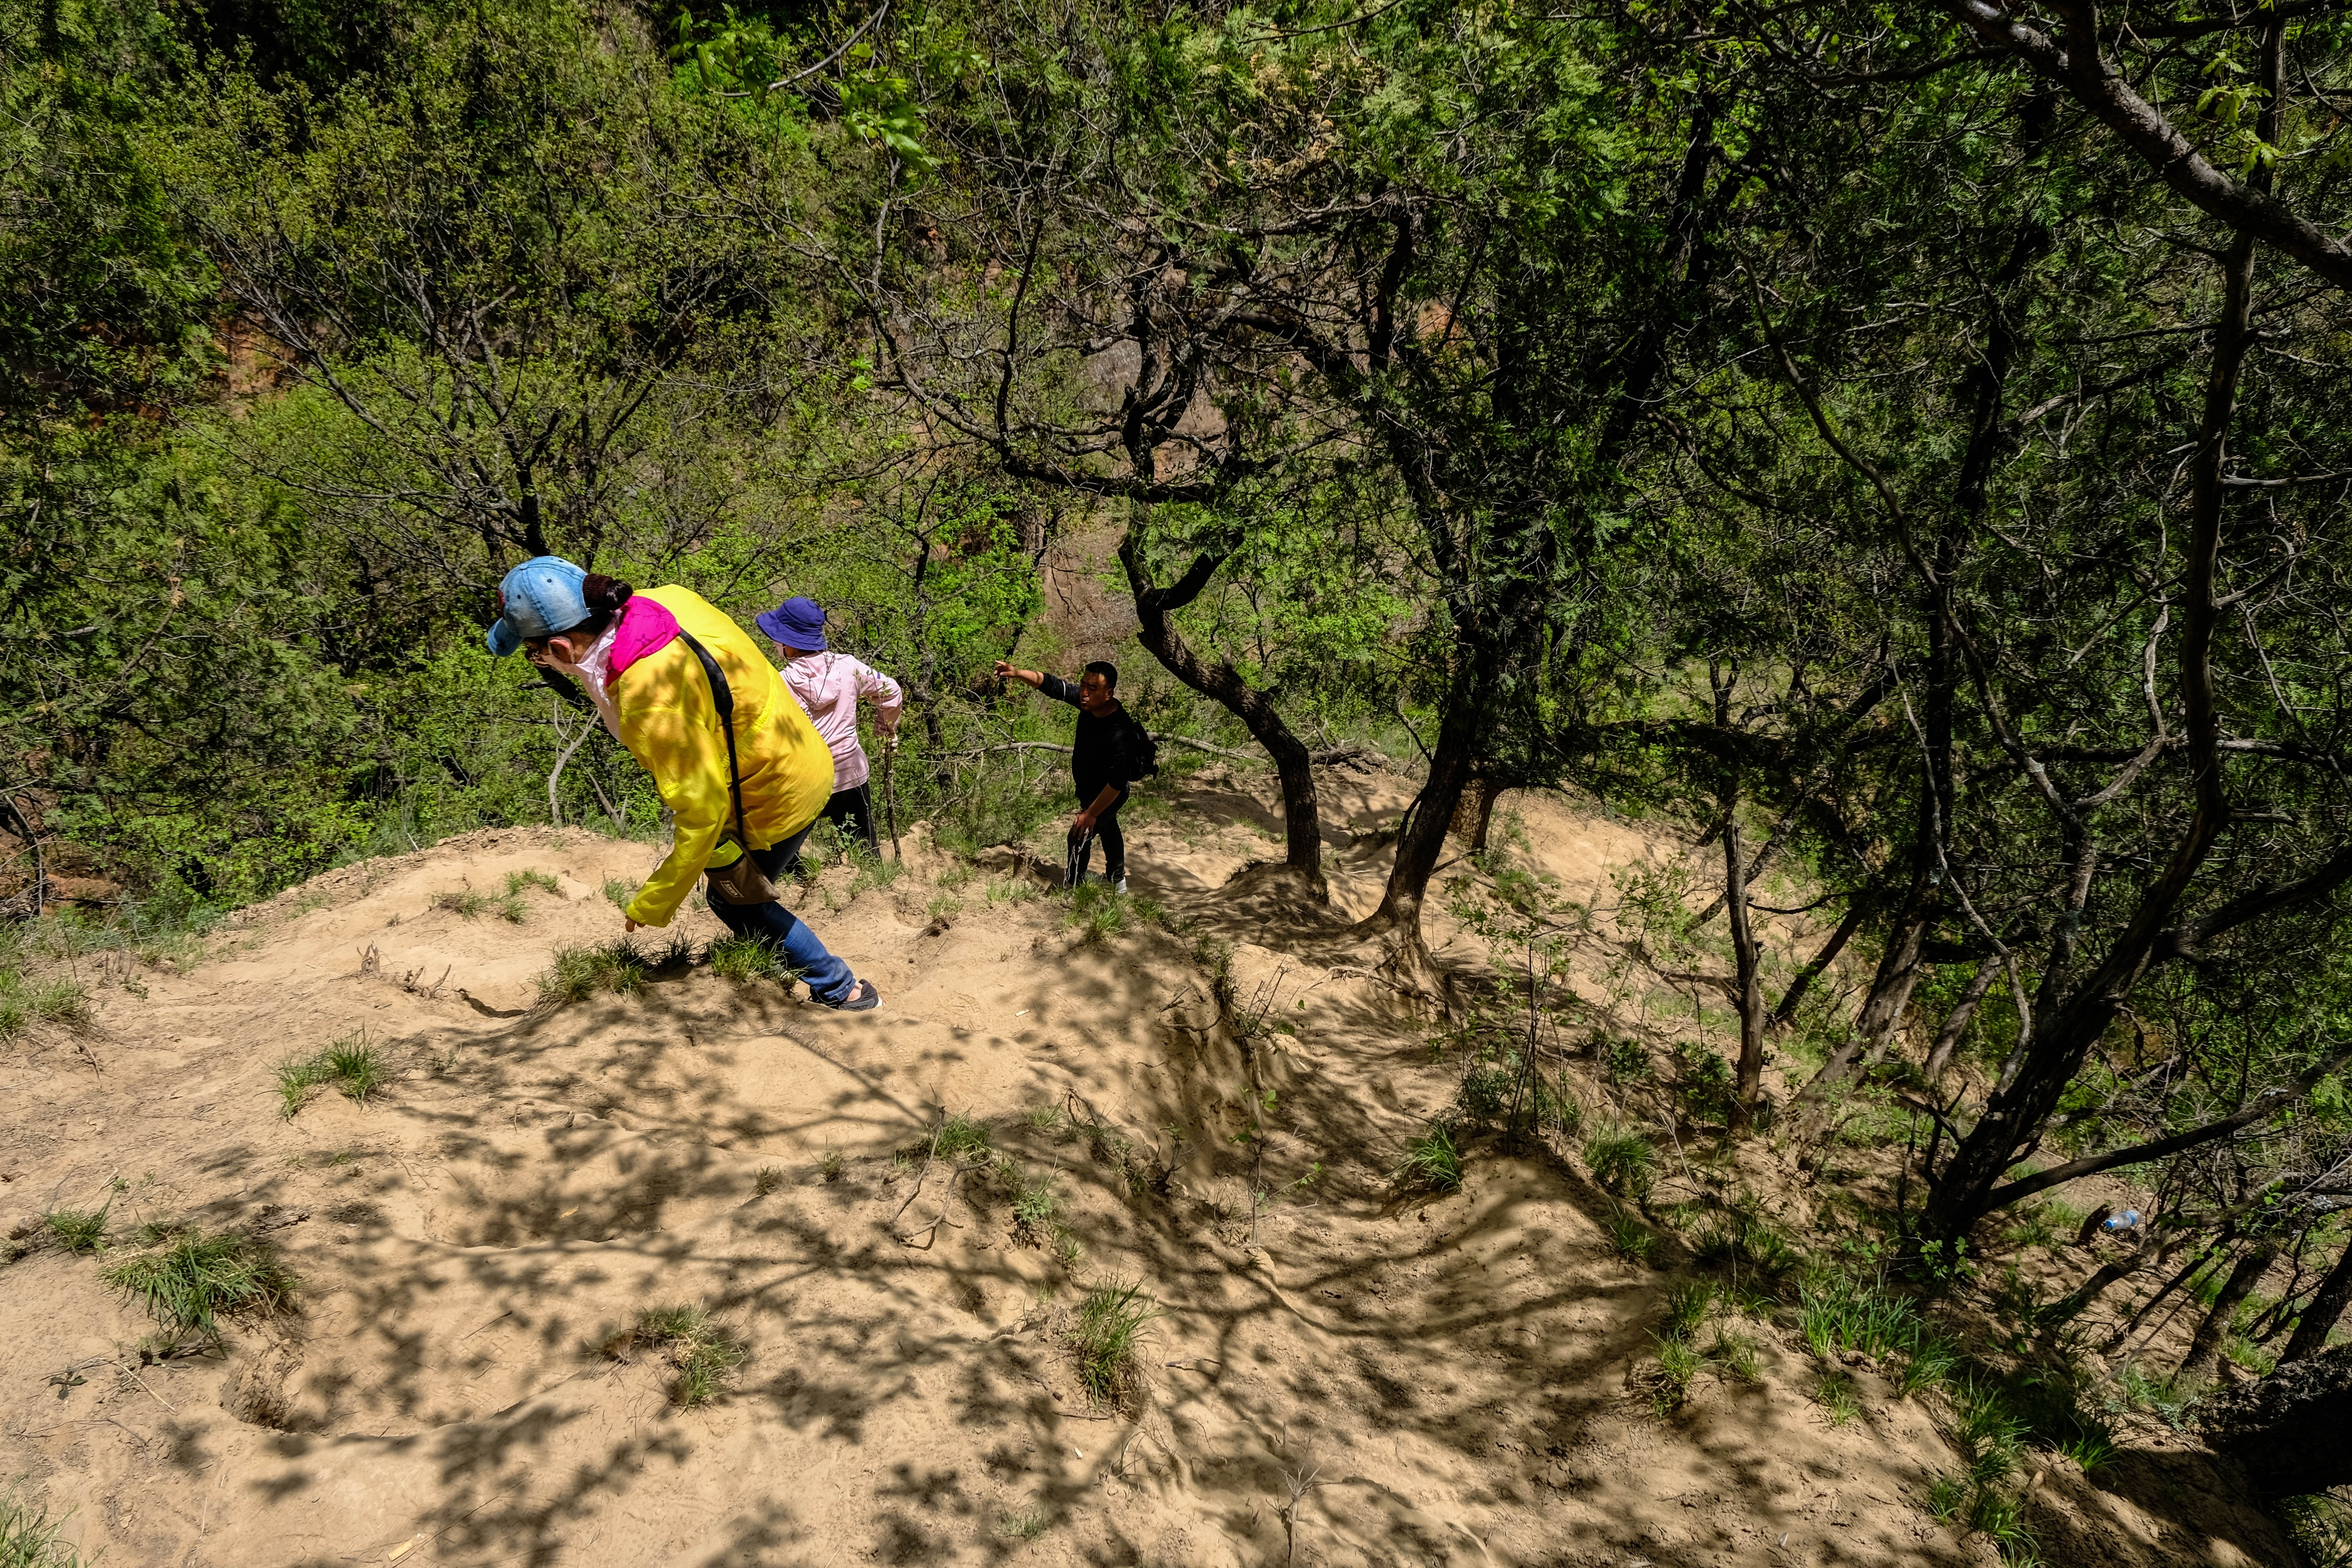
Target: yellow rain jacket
x: 669, y: 721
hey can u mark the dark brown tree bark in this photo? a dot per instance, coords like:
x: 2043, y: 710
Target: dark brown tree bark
x: 1955, y: 1022
x: 2320, y: 1318
x: 1748, y: 1086
x: 1301, y: 811
x: 2291, y: 1430
x: 1857, y: 909
x: 2205, y: 1345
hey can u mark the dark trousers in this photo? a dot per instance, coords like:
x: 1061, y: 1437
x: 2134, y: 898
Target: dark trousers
x: 1114, y: 843
x: 852, y: 811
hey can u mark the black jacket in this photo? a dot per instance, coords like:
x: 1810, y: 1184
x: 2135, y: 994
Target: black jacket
x: 1103, y: 751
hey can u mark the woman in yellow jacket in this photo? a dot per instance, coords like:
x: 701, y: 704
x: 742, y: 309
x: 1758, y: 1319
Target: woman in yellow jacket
x: 634, y: 655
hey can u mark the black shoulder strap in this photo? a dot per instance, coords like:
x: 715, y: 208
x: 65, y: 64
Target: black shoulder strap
x: 724, y: 699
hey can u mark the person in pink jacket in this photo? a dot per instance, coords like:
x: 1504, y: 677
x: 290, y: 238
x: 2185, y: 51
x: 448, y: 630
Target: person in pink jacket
x: 828, y: 685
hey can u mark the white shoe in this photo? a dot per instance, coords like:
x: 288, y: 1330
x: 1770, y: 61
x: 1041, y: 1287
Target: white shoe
x: 1120, y: 884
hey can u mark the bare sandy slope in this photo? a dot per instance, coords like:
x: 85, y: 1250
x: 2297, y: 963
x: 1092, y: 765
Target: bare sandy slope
x: 1440, y: 1380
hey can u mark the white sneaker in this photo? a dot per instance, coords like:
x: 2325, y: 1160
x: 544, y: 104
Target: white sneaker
x: 1120, y: 884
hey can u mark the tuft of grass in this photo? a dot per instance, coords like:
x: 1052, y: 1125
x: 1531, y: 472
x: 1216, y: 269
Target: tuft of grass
x: 1744, y: 1242
x: 1844, y: 1313
x: 577, y: 973
x: 619, y: 891
x: 1946, y: 1496
x: 1044, y: 1118
x: 1678, y: 1364
x: 1629, y: 1238
x: 522, y: 882
x: 2320, y: 1525
x: 830, y: 1166
x: 1100, y: 912
x: 1839, y: 1401
x: 1035, y: 1209
x: 463, y: 902
x: 352, y: 1064
x: 1432, y: 1161
x: 1622, y: 1162
x: 743, y: 959
x: 703, y: 1352
x: 24, y: 1002
x: 959, y: 1138
x: 1027, y: 1524
x: 28, y: 1539
x: 1735, y: 1351
x: 944, y: 906
x: 1687, y: 1308
x: 80, y: 1231
x: 2000, y: 1519
x: 1019, y: 890
x: 1929, y: 1363
x: 193, y: 1280
x: 1112, y: 1322
x: 2160, y: 1397
x: 766, y: 1180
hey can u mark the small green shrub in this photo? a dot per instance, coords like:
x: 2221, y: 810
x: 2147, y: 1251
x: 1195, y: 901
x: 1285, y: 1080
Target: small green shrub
x: 79, y: 1231
x: 1622, y: 1162
x: 522, y: 882
x: 619, y: 891
x: 766, y: 1180
x: 830, y: 1165
x: 1703, y: 1084
x: 1629, y: 1238
x: 576, y: 973
x: 1839, y: 1400
x: 463, y: 902
x: 1035, y: 1209
x: 702, y: 1352
x: 1432, y: 1161
x: 1111, y: 1326
x: 1624, y: 1060
x: 194, y: 1280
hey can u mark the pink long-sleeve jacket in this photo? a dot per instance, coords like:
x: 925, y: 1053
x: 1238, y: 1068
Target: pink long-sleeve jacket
x: 828, y: 685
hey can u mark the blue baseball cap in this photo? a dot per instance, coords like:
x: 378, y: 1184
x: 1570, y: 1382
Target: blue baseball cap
x: 542, y: 596
x: 795, y: 623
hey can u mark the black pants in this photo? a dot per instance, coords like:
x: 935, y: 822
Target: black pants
x: 852, y: 811
x: 1114, y: 843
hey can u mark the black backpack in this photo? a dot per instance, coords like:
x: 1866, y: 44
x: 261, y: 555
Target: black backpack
x: 1142, y: 749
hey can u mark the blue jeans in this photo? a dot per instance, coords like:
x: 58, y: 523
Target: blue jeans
x: 789, y: 937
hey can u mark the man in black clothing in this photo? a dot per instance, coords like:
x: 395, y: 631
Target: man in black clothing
x: 1102, y: 762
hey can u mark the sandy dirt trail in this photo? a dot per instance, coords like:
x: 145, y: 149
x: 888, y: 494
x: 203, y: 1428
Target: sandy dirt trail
x: 1347, y: 1377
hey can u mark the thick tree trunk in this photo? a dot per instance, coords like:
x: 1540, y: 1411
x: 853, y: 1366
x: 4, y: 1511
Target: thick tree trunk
x: 2319, y: 1319
x: 1302, y: 819
x: 2205, y: 1345
x: 1857, y: 909
x: 1881, y: 1010
x: 2291, y: 1430
x: 1748, y: 1088
x: 1432, y: 816
x: 1473, y: 814
x: 1955, y: 1022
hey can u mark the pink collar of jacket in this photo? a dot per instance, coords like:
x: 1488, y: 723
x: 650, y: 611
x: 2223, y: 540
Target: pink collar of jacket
x: 646, y: 629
